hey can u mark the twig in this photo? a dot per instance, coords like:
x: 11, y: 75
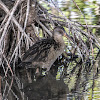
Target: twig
x: 7, y: 67
x: 9, y: 19
x: 81, y: 13
x: 44, y: 28
x: 27, y: 13
x: 14, y: 20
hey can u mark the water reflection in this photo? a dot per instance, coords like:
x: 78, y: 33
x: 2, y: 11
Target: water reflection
x: 71, y: 82
x: 46, y: 88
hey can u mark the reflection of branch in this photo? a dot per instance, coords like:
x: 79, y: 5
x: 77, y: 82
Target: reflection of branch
x: 10, y: 86
x: 5, y: 95
x: 0, y: 89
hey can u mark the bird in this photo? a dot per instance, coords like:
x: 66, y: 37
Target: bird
x: 44, y: 52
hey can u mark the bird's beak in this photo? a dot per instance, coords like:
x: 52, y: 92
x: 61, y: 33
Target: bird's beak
x: 68, y: 37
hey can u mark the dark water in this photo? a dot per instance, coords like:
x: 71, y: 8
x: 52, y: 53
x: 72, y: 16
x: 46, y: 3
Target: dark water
x: 65, y: 82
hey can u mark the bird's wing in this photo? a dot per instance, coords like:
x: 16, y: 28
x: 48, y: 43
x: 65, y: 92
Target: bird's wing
x: 40, y: 50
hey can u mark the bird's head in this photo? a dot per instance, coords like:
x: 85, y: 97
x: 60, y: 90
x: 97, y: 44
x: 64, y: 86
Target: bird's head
x: 60, y: 31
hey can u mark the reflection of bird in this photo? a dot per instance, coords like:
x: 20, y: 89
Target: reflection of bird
x: 44, y: 52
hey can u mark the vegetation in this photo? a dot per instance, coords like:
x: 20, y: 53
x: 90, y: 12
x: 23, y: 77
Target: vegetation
x: 24, y: 22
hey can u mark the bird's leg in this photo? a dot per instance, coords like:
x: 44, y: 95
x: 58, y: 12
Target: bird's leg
x: 37, y: 71
x: 30, y: 71
x: 48, y: 68
x: 29, y: 75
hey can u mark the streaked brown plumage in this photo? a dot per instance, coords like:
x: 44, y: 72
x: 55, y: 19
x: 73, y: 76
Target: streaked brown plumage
x: 44, y: 52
